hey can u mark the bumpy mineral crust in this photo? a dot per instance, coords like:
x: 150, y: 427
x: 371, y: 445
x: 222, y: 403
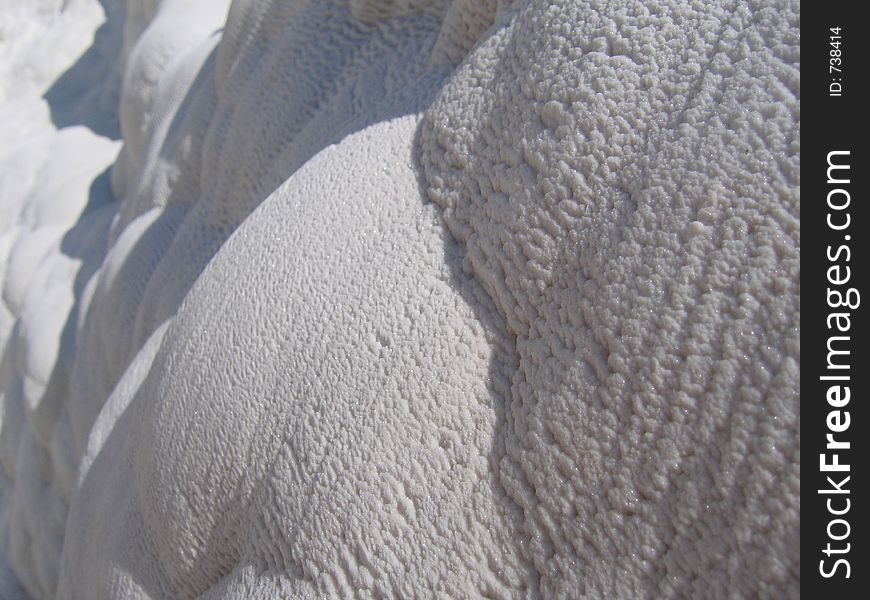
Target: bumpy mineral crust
x: 400, y: 299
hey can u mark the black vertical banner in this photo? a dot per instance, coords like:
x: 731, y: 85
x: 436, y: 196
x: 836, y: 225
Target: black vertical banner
x: 835, y: 299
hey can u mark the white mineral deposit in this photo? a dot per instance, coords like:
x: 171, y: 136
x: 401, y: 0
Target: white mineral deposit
x: 399, y: 299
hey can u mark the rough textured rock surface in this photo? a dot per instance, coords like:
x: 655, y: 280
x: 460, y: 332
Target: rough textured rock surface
x: 399, y: 299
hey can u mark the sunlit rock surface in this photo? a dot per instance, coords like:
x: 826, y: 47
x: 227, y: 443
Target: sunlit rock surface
x: 399, y: 299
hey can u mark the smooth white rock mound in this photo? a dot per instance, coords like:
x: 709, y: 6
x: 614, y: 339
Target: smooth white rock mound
x: 399, y: 299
